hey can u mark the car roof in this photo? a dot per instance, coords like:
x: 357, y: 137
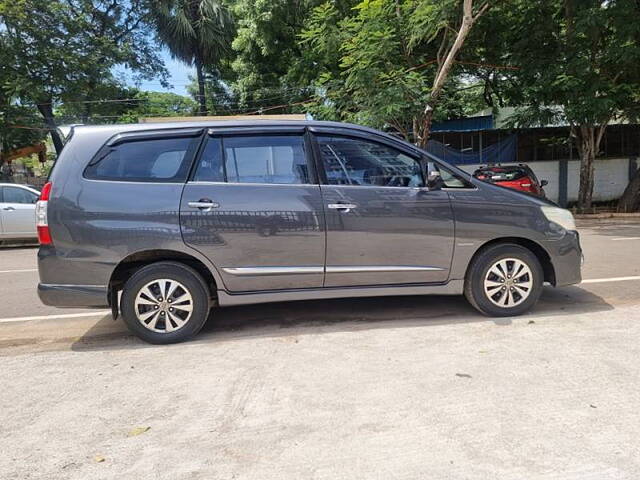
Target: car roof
x: 21, y: 185
x: 113, y: 129
x: 123, y: 127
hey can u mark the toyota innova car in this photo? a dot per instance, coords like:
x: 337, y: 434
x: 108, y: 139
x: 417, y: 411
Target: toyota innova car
x: 163, y: 222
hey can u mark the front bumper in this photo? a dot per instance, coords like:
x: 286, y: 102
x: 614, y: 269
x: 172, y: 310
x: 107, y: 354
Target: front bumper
x: 567, y: 259
x: 85, y: 296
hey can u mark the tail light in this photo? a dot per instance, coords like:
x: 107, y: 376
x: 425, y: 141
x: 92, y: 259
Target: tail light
x: 42, y: 222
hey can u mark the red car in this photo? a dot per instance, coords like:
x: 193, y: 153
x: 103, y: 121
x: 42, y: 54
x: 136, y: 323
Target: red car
x: 519, y: 177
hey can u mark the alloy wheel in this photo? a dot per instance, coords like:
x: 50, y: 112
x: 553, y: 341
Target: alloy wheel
x: 508, y: 282
x: 163, y: 305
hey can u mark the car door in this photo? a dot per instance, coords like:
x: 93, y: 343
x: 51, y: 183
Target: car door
x: 17, y: 208
x: 383, y: 226
x: 253, y: 207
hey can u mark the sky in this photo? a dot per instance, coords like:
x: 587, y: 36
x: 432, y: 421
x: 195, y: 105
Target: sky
x: 179, y: 76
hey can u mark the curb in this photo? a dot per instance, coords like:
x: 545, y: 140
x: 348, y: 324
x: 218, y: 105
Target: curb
x: 588, y: 216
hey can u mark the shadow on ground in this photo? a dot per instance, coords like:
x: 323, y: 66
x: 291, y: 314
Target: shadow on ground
x: 342, y: 315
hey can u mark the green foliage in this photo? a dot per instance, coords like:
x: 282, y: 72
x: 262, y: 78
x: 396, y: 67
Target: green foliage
x: 578, y: 61
x: 194, y: 30
x: 376, y: 66
x: 199, y: 33
x: 57, y: 51
x: 19, y: 126
x: 270, y: 67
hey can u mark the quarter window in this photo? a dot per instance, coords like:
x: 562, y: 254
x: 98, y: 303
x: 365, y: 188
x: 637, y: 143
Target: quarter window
x: 358, y: 162
x: 153, y: 160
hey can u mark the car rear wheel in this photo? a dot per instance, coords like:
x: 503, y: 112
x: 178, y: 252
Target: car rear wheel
x: 504, y: 280
x: 165, y: 302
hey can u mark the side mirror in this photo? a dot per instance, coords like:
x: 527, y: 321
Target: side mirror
x: 544, y: 183
x: 434, y: 180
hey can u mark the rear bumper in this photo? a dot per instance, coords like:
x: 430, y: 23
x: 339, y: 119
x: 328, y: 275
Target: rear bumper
x: 85, y: 296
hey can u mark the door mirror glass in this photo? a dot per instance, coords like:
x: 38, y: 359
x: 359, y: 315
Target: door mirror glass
x: 544, y: 183
x: 434, y: 179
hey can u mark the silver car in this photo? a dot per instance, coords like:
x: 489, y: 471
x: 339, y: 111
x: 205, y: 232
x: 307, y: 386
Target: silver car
x: 17, y: 212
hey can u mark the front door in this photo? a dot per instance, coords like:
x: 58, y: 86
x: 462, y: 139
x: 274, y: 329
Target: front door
x: 17, y: 208
x: 383, y: 226
x: 253, y: 207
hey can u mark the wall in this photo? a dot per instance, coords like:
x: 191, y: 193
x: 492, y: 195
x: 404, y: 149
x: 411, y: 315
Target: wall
x: 611, y: 177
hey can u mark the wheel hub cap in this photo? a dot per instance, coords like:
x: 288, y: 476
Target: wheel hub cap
x: 163, y: 305
x: 508, y: 282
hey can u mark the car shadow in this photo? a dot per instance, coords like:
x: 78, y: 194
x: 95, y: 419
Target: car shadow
x: 342, y: 315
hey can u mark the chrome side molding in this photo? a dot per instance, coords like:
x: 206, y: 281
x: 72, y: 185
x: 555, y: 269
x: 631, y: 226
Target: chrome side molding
x: 302, y: 270
x: 272, y: 270
x: 380, y: 268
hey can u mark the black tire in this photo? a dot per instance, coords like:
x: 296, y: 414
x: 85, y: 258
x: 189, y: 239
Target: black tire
x: 477, y: 273
x: 177, y: 272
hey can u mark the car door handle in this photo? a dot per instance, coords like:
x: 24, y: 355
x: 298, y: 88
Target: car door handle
x: 343, y: 207
x: 8, y: 209
x: 204, y: 204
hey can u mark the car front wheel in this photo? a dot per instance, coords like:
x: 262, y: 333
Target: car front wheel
x: 504, y: 280
x: 165, y: 302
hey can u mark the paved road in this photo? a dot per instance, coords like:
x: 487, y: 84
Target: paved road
x: 405, y: 388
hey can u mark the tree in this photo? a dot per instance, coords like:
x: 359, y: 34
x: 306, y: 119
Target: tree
x: 578, y: 64
x: 270, y: 67
x: 197, y: 32
x: 392, y: 63
x: 58, y: 51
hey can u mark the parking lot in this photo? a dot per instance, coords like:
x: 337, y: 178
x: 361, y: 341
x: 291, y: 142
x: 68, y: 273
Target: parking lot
x: 385, y: 388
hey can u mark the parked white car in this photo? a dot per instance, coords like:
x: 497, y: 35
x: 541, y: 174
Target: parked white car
x: 17, y: 212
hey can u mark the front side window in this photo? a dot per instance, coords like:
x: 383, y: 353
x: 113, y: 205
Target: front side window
x: 18, y: 195
x: 152, y: 160
x: 265, y: 159
x: 349, y: 161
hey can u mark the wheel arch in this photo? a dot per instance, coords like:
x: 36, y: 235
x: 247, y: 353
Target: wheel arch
x: 133, y: 262
x: 534, y: 247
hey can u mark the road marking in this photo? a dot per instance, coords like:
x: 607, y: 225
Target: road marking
x: 53, y: 317
x: 625, y: 238
x: 108, y: 312
x: 19, y: 271
x: 612, y: 279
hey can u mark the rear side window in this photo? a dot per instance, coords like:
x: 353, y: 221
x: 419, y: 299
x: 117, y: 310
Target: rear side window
x: 152, y: 160
x: 265, y: 159
x: 273, y: 159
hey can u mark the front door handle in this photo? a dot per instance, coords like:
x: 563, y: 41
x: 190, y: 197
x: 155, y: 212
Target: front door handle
x: 342, y: 207
x: 8, y: 209
x: 204, y: 204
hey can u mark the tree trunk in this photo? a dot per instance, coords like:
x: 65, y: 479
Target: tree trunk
x: 202, y: 99
x: 445, y: 63
x: 588, y: 139
x: 630, y: 200
x: 46, y: 110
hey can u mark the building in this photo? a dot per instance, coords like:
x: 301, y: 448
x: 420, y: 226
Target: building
x: 484, y: 138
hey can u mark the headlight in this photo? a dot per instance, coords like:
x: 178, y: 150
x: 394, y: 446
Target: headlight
x: 560, y: 216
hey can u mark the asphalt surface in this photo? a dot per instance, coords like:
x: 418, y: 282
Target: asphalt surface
x: 403, y: 387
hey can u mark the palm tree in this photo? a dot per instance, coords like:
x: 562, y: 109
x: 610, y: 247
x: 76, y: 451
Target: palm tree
x: 197, y: 32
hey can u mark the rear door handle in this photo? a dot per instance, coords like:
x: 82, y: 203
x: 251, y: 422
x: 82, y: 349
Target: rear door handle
x: 8, y: 208
x: 343, y: 207
x: 204, y: 204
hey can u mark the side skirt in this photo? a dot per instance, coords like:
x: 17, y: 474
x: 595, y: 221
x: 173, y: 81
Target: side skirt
x: 453, y: 287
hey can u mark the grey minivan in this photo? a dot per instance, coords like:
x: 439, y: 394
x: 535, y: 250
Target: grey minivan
x: 161, y: 222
